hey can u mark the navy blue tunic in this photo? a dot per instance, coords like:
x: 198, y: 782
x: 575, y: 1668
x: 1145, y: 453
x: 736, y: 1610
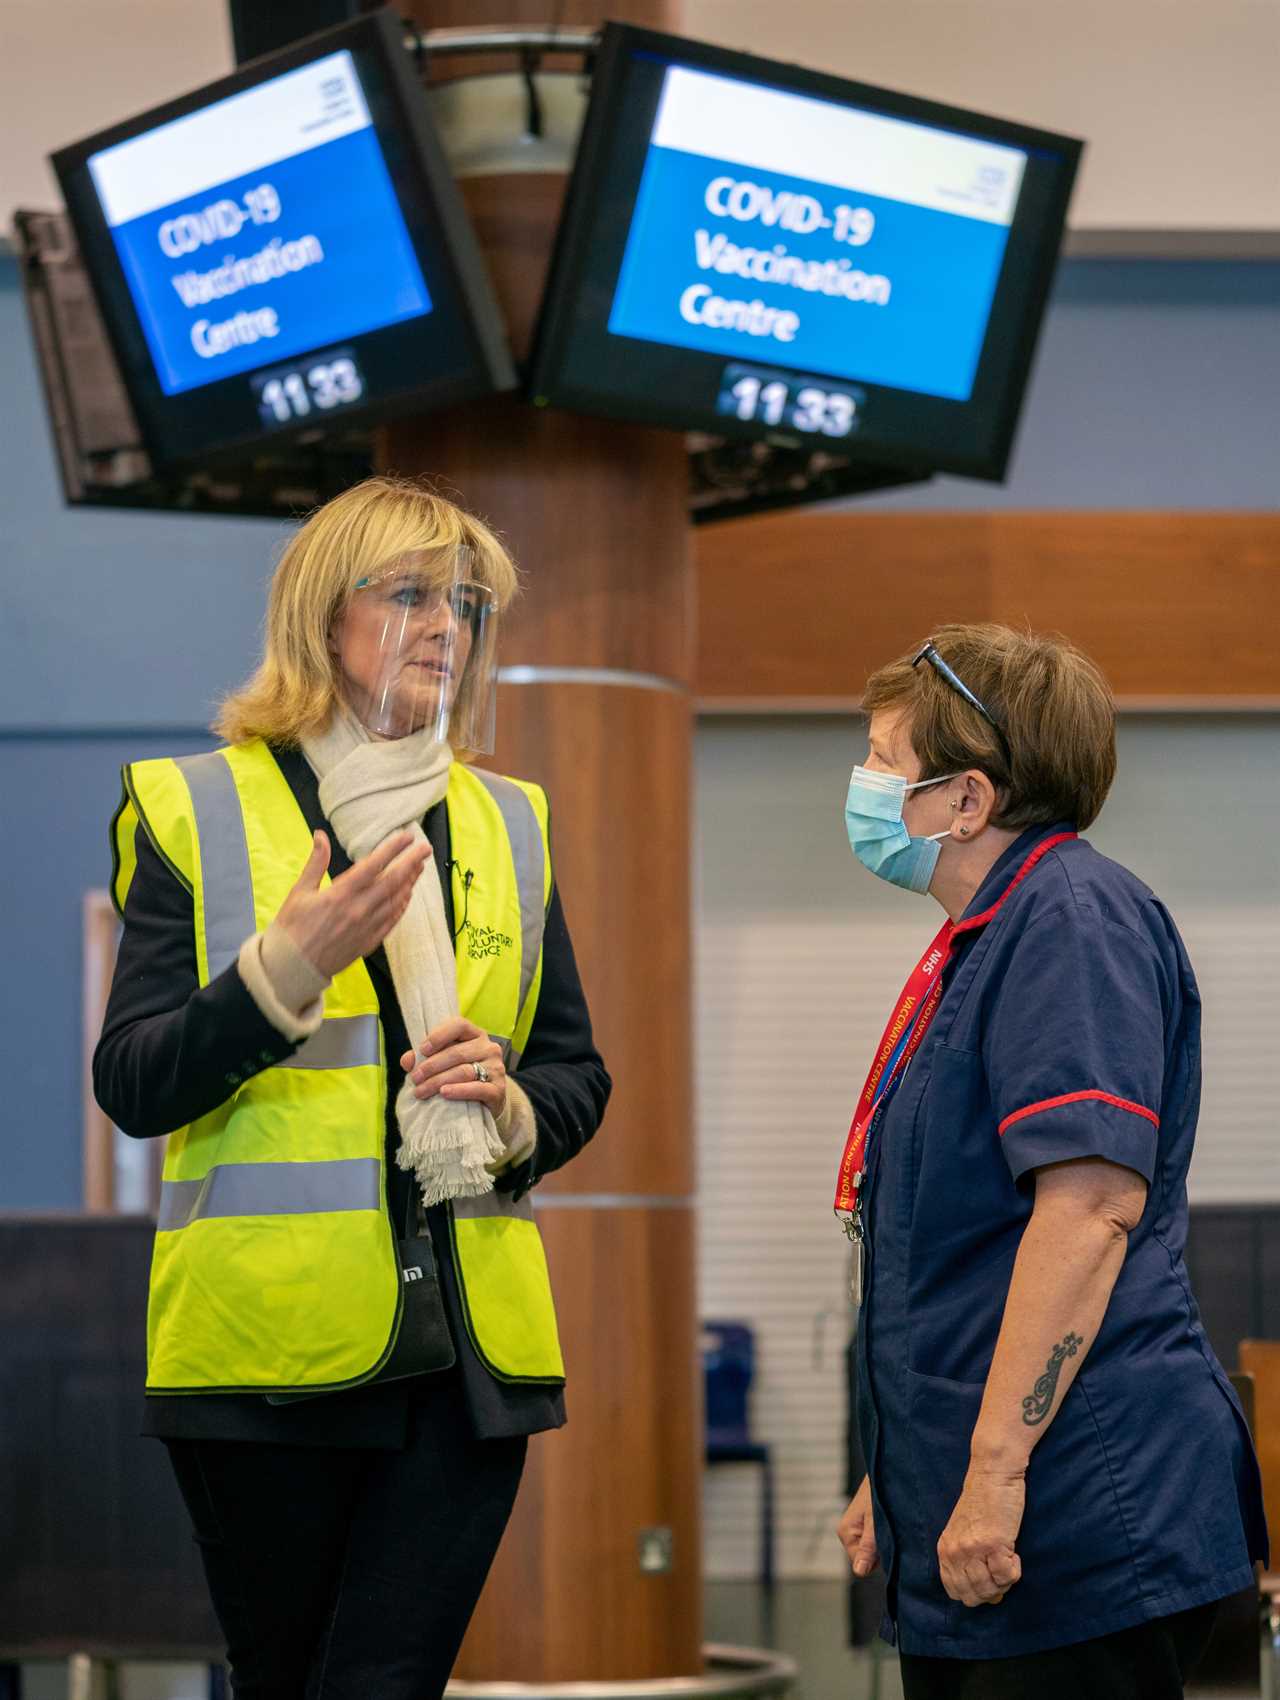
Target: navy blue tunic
x: 1069, y: 1026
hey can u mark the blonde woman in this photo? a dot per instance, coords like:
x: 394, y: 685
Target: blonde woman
x: 346, y: 993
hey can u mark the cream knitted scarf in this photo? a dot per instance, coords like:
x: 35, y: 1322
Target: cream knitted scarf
x: 368, y: 790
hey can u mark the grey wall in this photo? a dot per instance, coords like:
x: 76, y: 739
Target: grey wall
x: 60, y: 794
x: 109, y: 618
x: 1155, y: 387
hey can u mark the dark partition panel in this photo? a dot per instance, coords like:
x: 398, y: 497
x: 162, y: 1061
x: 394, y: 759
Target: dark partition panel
x: 1233, y: 1257
x: 95, y: 1549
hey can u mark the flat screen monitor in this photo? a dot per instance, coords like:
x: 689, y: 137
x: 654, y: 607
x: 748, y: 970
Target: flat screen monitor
x: 285, y: 248
x: 752, y: 250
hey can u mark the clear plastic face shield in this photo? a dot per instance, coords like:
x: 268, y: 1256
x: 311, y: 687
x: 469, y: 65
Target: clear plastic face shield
x: 416, y: 647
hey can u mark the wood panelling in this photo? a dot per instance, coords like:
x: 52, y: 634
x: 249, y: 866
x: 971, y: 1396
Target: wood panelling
x: 98, y: 931
x: 1179, y: 609
x: 595, y: 515
x: 628, y: 1460
x: 797, y: 604
x: 615, y: 762
x: 1261, y: 1360
x: 1182, y: 606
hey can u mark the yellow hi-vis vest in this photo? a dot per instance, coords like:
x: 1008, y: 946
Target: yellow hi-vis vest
x: 275, y: 1263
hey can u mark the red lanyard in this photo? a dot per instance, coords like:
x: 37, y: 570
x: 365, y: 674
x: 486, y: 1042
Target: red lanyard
x: 912, y: 1016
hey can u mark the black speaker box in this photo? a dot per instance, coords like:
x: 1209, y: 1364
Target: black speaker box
x: 265, y: 26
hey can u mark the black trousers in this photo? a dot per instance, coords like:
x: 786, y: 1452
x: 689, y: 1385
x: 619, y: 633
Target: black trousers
x: 343, y: 1574
x: 1149, y: 1662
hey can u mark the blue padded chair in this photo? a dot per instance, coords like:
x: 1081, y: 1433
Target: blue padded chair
x: 728, y: 1364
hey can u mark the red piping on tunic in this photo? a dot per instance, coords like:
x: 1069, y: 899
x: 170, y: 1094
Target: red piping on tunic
x: 1032, y: 861
x: 1077, y: 1098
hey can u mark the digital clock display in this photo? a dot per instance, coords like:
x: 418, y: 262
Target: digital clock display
x: 789, y: 401
x: 287, y: 395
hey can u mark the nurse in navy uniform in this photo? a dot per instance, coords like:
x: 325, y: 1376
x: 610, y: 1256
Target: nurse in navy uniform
x: 1060, y: 1481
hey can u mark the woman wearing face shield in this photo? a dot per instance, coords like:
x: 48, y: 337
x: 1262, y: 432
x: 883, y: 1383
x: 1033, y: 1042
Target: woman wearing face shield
x: 346, y: 993
x: 1060, y: 1481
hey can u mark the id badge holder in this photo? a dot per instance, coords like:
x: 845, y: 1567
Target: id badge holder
x: 858, y: 1262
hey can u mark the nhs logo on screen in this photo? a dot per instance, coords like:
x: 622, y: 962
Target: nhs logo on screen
x: 260, y: 227
x: 774, y: 226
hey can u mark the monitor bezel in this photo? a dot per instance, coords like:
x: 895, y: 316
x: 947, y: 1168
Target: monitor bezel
x: 546, y: 382
x: 439, y: 231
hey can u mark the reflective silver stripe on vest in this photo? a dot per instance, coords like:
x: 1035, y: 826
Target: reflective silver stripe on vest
x: 272, y: 1189
x: 530, y: 859
x: 229, y: 917
x: 343, y: 1041
x: 510, y: 1056
x: 493, y: 1204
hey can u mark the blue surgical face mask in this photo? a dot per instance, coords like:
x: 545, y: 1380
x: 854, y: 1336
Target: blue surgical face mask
x: 878, y: 835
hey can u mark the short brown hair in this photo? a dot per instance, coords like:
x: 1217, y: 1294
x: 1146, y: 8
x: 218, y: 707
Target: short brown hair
x: 349, y: 539
x: 1051, y: 701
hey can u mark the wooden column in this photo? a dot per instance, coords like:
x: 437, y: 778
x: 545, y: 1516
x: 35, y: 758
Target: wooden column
x: 600, y: 655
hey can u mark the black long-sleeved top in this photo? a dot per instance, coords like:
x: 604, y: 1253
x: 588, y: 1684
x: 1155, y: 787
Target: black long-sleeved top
x: 172, y: 1049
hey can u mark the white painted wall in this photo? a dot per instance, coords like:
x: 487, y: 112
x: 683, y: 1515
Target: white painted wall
x: 799, y: 954
x: 1176, y: 97
x: 70, y: 68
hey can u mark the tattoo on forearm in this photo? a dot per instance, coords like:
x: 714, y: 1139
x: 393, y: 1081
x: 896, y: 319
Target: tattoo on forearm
x: 1035, y: 1407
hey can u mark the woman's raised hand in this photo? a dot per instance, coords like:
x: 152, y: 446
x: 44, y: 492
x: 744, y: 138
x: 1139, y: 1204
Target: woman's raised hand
x: 333, y: 925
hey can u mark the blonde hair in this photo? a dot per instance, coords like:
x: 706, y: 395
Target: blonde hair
x: 1054, y: 705
x: 357, y: 534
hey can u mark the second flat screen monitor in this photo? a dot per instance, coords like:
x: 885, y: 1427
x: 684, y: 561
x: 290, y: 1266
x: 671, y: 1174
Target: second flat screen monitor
x: 756, y: 250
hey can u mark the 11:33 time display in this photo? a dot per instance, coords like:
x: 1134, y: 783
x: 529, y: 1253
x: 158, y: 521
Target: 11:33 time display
x: 289, y: 394
x: 788, y: 401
